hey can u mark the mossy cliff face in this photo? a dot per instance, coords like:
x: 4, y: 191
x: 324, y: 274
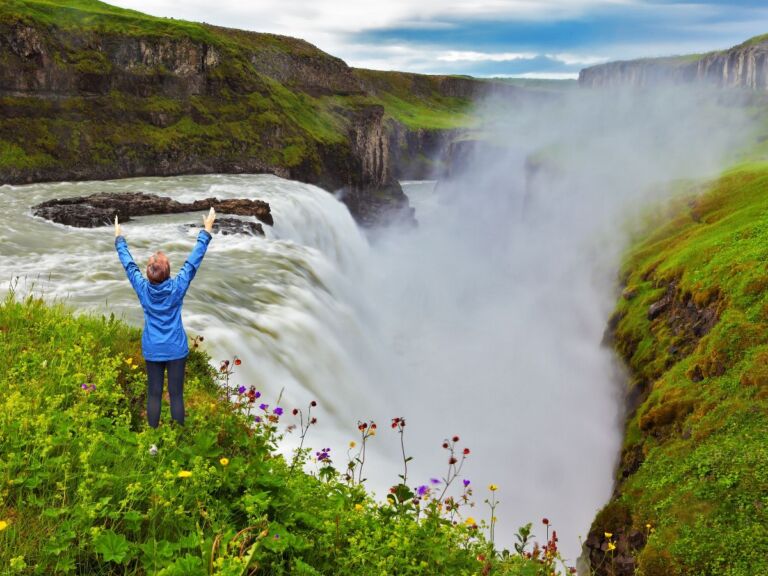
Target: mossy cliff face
x: 90, y: 91
x: 743, y: 66
x: 692, y: 325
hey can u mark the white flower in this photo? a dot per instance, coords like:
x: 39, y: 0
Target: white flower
x: 153, y: 450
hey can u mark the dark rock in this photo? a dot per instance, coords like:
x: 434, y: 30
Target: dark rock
x: 655, y: 309
x: 100, y: 209
x: 227, y: 226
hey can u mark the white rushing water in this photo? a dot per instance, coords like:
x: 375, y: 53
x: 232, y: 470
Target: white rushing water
x: 485, y: 321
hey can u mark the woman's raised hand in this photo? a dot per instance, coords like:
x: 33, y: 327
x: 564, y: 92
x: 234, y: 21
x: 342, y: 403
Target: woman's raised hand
x: 208, y: 220
x: 118, y: 231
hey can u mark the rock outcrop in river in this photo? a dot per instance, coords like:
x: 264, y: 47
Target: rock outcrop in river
x: 100, y: 210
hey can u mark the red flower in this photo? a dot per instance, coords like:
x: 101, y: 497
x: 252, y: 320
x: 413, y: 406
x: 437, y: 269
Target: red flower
x: 313, y: 403
x: 545, y: 521
x: 313, y: 421
x: 238, y: 361
x: 295, y: 411
x: 445, y: 445
x: 466, y: 451
x: 452, y: 460
x: 455, y: 438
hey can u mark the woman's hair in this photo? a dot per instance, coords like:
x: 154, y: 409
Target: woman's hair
x: 158, y: 268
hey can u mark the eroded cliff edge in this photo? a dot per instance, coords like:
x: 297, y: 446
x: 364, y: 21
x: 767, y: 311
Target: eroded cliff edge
x: 743, y: 66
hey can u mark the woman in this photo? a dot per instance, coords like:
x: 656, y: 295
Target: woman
x: 164, y: 342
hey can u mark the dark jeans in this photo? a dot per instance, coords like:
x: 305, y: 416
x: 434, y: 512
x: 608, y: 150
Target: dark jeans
x: 156, y: 375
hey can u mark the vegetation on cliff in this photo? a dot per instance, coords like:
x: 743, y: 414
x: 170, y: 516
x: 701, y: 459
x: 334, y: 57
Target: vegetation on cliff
x: 87, y: 488
x: 692, y: 325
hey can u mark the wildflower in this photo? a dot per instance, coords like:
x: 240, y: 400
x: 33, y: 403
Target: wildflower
x: 470, y: 521
x: 611, y: 546
x: 3, y: 525
x: 263, y: 406
x: 129, y: 361
x: 452, y: 460
x: 608, y: 535
x: 153, y: 450
x: 295, y: 411
x: 184, y: 474
x: 434, y: 481
x: 352, y: 444
x: 84, y: 386
x: 257, y: 418
x: 224, y: 461
x: 313, y: 403
x: 648, y: 526
x: 313, y: 421
x: 455, y: 438
x: 422, y: 490
x: 278, y: 411
x: 373, y: 425
x: 466, y: 451
x: 241, y: 390
x: 238, y: 361
x: 545, y: 521
x: 445, y: 445
x: 372, y: 432
x: 358, y: 507
x: 323, y: 454
x: 493, y: 487
x: 466, y: 483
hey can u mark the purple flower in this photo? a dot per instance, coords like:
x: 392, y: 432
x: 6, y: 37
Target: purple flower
x: 264, y: 406
x: 421, y: 490
x: 84, y: 386
x: 278, y: 411
x: 323, y: 454
x: 434, y: 481
x: 466, y: 483
x: 241, y: 390
x: 257, y: 418
x: 258, y: 394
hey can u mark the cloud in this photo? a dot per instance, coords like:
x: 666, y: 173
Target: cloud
x: 459, y: 56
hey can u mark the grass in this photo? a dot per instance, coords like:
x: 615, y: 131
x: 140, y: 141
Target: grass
x: 701, y: 428
x: 83, y: 491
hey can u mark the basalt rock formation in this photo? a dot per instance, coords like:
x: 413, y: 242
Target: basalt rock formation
x: 100, y: 210
x: 743, y: 66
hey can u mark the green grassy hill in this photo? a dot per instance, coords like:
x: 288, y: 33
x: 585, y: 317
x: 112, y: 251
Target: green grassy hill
x: 692, y: 324
x: 83, y: 492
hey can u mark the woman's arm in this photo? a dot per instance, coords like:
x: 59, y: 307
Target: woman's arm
x: 189, y: 269
x: 131, y: 269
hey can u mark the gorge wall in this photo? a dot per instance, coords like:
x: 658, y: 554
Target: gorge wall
x: 743, y: 66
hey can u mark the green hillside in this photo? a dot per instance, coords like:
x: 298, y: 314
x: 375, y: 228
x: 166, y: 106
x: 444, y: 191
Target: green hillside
x: 692, y: 324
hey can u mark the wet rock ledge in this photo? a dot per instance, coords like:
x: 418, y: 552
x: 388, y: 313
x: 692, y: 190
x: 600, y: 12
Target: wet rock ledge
x: 100, y: 210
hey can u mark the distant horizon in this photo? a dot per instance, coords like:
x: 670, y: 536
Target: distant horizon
x: 542, y: 39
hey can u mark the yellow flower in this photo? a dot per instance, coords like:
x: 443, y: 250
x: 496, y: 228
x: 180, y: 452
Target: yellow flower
x: 470, y: 521
x: 184, y: 474
x: 648, y: 526
x: 608, y: 534
x: 352, y: 444
x: 611, y: 546
x: 129, y: 361
x: 372, y: 432
x: 224, y: 461
x: 493, y: 487
x: 3, y: 525
x: 358, y: 507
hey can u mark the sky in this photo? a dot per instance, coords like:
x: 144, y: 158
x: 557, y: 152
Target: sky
x: 527, y: 38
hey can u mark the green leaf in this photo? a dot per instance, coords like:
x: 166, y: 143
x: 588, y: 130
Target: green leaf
x: 112, y: 547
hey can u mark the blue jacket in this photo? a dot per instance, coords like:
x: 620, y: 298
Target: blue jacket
x: 164, y: 337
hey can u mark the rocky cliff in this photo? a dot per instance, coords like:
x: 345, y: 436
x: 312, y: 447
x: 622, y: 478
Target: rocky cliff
x: 90, y: 91
x: 743, y: 66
